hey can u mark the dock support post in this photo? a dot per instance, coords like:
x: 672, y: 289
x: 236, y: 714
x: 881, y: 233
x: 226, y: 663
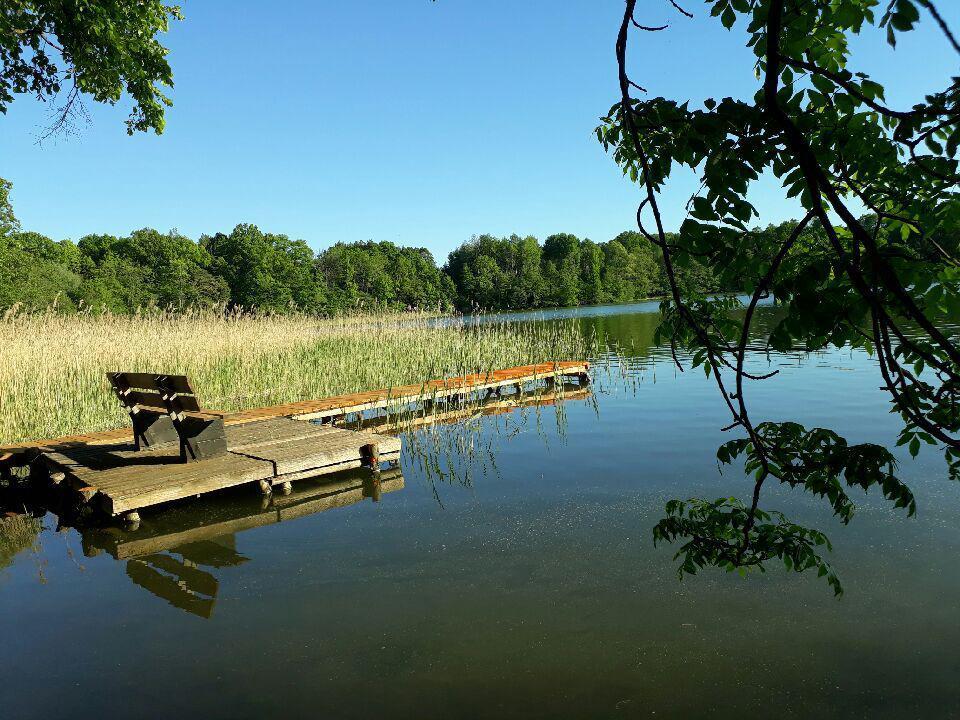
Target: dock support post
x: 264, y: 487
x: 39, y: 472
x: 370, y: 456
x: 131, y: 520
x: 286, y: 487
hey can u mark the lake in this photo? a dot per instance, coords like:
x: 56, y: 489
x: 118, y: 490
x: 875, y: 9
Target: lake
x: 510, y: 573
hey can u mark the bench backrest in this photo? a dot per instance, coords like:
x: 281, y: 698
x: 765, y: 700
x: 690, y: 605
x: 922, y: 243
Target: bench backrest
x: 163, y: 409
x: 170, y: 394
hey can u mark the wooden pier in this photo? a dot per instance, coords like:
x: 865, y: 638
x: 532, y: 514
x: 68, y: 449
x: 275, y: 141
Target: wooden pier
x: 270, y: 446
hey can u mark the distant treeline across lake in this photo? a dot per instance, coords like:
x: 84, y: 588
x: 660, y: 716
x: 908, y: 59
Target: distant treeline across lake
x: 253, y: 269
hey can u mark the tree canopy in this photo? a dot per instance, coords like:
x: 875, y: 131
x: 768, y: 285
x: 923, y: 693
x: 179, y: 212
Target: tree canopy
x: 266, y: 272
x: 871, y: 265
x: 101, y: 49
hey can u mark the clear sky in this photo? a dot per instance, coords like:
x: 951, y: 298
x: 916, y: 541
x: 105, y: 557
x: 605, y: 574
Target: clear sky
x: 405, y: 120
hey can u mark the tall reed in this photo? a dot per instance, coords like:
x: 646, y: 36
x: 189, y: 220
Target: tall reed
x: 53, y: 365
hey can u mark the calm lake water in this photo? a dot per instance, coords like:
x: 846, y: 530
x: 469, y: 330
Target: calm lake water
x: 511, y: 576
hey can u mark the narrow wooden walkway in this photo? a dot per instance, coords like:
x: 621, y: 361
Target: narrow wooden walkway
x: 341, y: 405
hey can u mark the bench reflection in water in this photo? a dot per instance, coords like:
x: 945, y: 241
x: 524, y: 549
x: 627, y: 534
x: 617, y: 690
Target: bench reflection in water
x: 176, y: 553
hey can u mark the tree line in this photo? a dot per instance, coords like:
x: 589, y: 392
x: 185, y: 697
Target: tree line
x: 252, y: 269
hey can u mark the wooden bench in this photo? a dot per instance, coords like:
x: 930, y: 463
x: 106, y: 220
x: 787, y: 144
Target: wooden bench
x: 164, y: 409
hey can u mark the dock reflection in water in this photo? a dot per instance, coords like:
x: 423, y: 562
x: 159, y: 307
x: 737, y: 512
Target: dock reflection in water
x: 176, y: 553
x: 180, y: 551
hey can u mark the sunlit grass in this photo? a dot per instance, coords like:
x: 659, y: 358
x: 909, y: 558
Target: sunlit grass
x: 52, y: 366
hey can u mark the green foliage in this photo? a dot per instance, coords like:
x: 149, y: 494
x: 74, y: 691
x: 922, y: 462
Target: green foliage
x: 713, y: 534
x: 8, y: 221
x: 818, y: 460
x: 515, y: 273
x: 246, y: 268
x: 34, y: 284
x: 148, y: 268
x: 98, y: 48
x: 370, y: 275
x: 265, y: 271
x: 260, y: 271
x: 872, y: 265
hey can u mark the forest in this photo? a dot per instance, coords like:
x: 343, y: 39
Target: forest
x: 267, y: 272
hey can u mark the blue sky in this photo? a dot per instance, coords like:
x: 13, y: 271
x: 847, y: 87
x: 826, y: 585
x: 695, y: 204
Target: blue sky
x: 405, y: 120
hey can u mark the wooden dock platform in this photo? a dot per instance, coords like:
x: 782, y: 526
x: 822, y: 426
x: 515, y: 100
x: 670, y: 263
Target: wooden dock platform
x: 270, y: 452
x: 271, y: 446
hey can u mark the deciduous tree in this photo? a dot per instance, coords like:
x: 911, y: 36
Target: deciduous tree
x: 885, y: 282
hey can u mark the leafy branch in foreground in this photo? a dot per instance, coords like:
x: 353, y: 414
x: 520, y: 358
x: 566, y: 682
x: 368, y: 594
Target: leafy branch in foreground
x: 871, y: 265
x: 98, y: 48
x: 714, y: 534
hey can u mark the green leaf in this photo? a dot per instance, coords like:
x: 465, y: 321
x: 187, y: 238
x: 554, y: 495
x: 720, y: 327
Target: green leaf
x: 728, y: 17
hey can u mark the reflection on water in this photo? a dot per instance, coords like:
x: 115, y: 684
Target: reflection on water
x: 18, y: 532
x: 175, y: 554
x: 513, y: 576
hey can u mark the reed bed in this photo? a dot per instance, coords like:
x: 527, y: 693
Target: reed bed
x: 53, y: 365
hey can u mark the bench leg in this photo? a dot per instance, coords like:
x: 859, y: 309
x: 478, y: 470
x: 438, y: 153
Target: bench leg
x: 201, y: 439
x: 150, y: 430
